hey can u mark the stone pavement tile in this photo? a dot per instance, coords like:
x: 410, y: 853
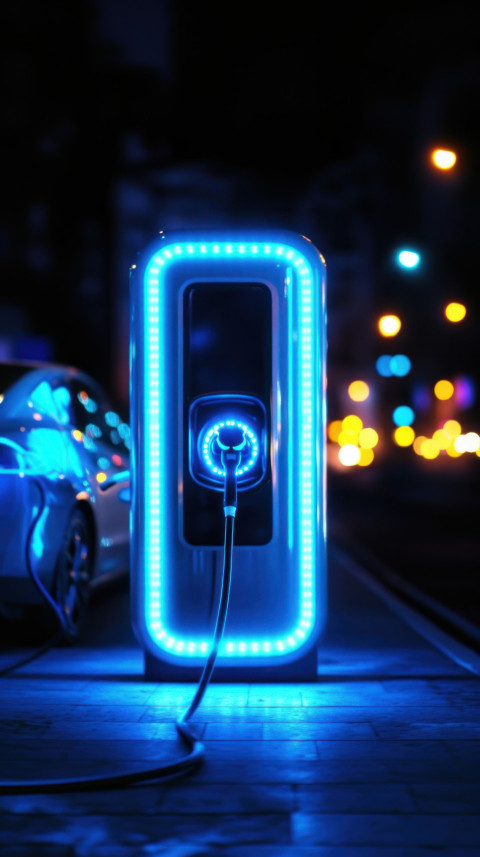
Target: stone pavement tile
x: 248, y: 798
x: 67, y: 711
x: 287, y: 751
x: 142, y: 751
x: 405, y: 715
x: 417, y: 685
x: 275, y: 696
x: 396, y: 850
x: 370, y: 694
x: 359, y: 798
x: 29, y: 750
x: 444, y: 798
x: 378, y: 771
x: 216, y: 695
x: 149, y: 833
x: 383, y: 749
x: 181, y: 798
x: 18, y: 681
x: 233, y: 731
x: 320, y: 731
x: 39, y: 850
x: 110, y: 695
x: 442, y: 730
x: 464, y: 749
x: 397, y: 714
x: 388, y: 829
x: 25, y: 725
x: 97, y: 730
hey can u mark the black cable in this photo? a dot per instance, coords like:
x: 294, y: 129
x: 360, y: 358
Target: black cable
x: 221, y: 618
x: 41, y: 589
x: 196, y: 749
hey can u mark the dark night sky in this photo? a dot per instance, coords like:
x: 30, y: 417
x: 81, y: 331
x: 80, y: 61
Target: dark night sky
x: 346, y: 97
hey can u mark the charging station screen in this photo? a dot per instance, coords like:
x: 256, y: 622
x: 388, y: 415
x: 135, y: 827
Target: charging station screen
x: 228, y: 335
x: 227, y: 348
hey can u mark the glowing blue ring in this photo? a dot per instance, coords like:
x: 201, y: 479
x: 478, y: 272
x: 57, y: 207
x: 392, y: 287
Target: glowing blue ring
x: 252, y: 448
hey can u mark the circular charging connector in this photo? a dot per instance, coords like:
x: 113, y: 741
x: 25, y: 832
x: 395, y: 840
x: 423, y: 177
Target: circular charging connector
x: 239, y: 436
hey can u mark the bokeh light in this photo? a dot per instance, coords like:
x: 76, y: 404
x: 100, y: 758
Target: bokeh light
x: 384, y: 366
x: 101, y: 477
x: 333, y: 430
x: 347, y: 437
x: 443, y: 159
x: 408, y: 258
x: 389, y: 325
x: 403, y: 415
x: 464, y: 391
x: 366, y: 457
x: 442, y: 439
x: 444, y: 390
x: 400, y: 365
x: 367, y: 438
x: 404, y: 436
x: 358, y: 391
x: 469, y: 442
x: 453, y: 452
x: 418, y: 443
x: 349, y: 455
x: 429, y: 449
x: 452, y: 428
x: 455, y: 312
x: 352, y: 424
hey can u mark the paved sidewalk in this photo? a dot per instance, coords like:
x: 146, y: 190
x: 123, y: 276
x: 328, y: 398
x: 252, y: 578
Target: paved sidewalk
x: 380, y: 757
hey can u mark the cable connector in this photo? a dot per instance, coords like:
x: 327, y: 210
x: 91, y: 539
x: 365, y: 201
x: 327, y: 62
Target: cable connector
x: 231, y: 440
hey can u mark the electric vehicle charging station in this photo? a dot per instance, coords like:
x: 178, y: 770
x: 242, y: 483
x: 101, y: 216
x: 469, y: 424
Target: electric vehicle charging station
x: 228, y: 350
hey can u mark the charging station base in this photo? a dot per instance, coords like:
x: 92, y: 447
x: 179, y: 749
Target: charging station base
x: 304, y: 669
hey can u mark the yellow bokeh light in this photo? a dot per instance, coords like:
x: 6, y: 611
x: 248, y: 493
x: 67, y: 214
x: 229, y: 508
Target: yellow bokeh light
x: 368, y: 438
x: 347, y: 437
x: 444, y: 390
x: 455, y: 312
x: 77, y: 434
x: 101, y: 477
x: 404, y: 436
x: 349, y: 455
x: 358, y: 391
x: 1, y: 398
x: 452, y: 452
x: 334, y: 429
x: 389, y: 325
x: 441, y: 438
x: 452, y: 428
x: 443, y: 159
x: 418, y: 443
x: 429, y: 449
x: 352, y: 424
x: 366, y: 457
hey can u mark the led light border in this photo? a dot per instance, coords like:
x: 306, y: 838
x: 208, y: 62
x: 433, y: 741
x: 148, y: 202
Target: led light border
x: 155, y: 432
x: 245, y: 468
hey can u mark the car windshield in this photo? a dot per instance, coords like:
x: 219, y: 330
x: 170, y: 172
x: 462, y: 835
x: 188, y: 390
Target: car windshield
x: 10, y: 373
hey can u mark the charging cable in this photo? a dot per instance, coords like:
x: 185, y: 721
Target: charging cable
x: 231, y: 456
x: 41, y: 589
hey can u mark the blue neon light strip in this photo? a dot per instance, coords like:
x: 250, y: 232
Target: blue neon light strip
x: 155, y: 434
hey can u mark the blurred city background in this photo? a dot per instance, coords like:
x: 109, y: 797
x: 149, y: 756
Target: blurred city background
x: 120, y: 119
